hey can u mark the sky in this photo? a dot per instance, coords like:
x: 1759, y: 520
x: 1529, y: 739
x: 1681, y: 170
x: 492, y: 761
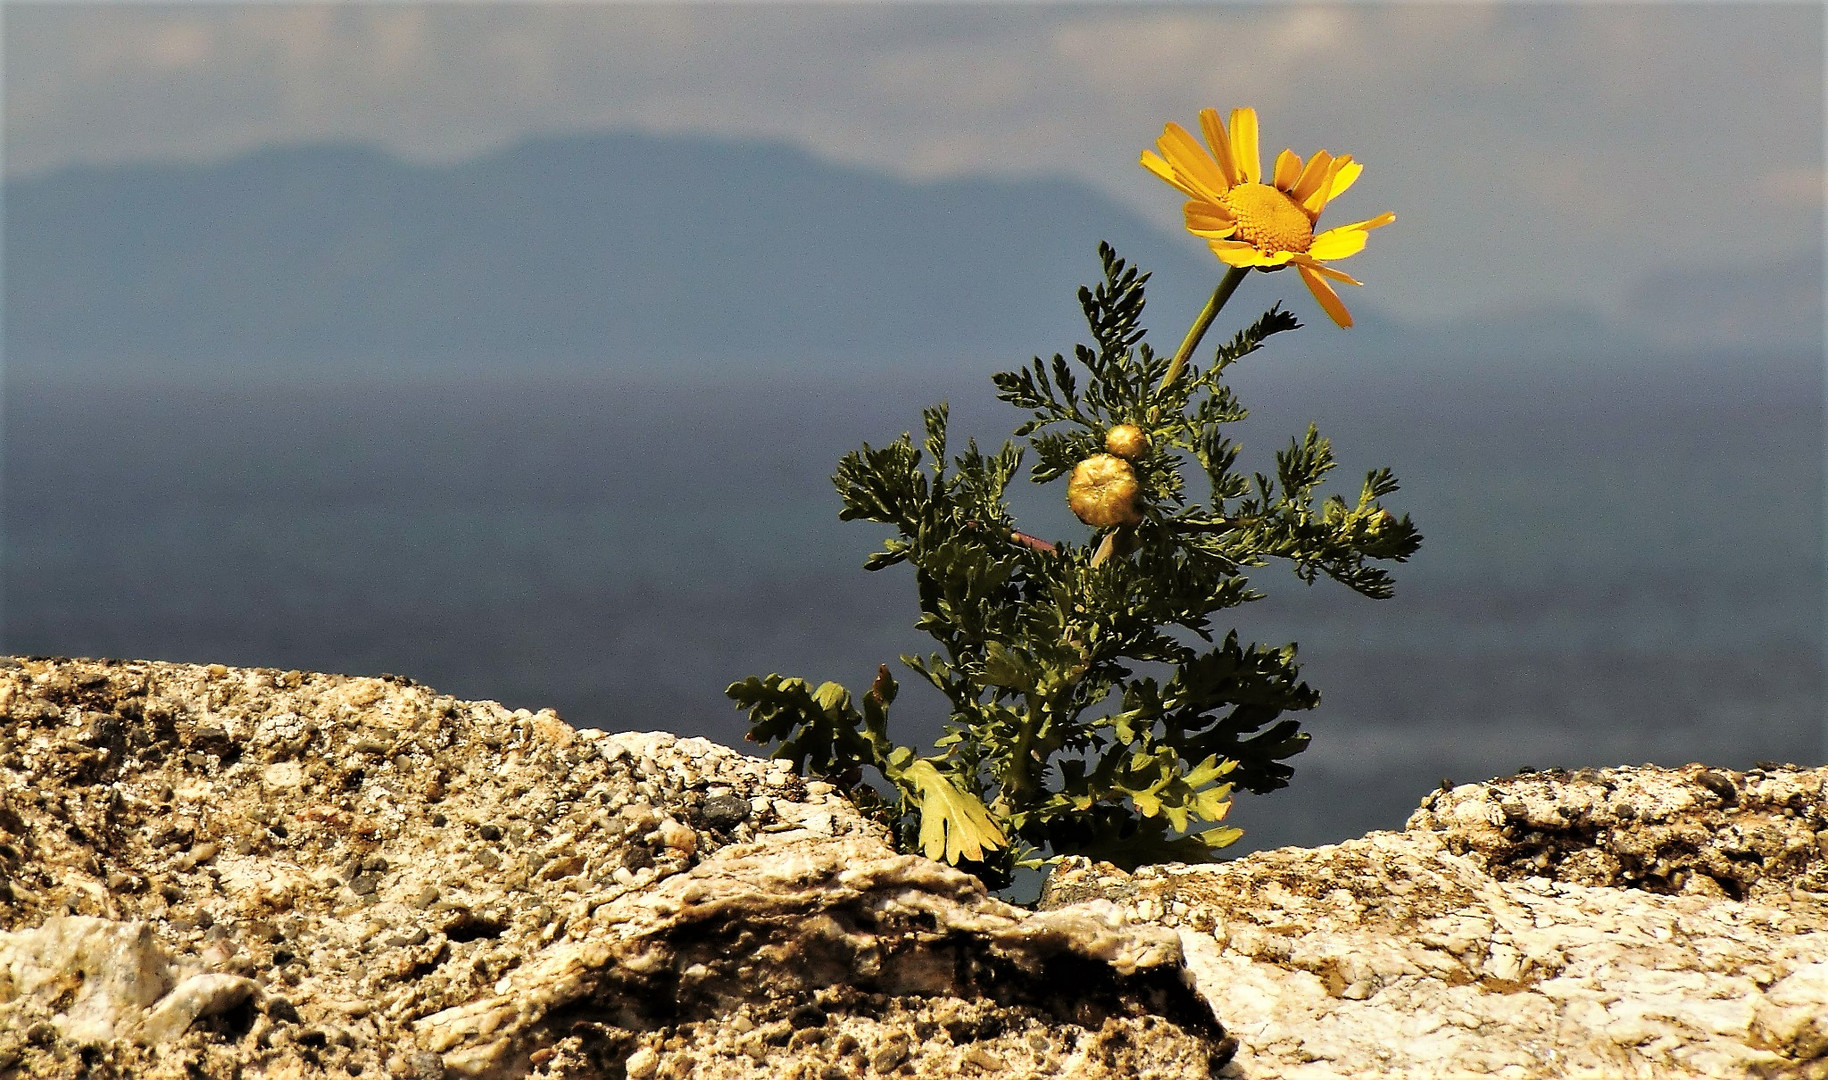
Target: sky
x: 1601, y: 156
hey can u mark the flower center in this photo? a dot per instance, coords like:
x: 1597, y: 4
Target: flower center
x: 1268, y: 219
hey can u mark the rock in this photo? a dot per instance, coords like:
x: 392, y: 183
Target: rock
x: 216, y: 872
x: 220, y: 872
x: 194, y: 998
x: 1694, y: 830
x: 1619, y: 923
x: 98, y: 975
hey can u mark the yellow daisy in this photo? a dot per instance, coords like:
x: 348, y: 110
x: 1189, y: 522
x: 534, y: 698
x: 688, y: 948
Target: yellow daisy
x: 1250, y: 221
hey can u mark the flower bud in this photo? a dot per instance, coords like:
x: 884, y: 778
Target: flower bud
x: 1127, y: 441
x: 1103, y: 491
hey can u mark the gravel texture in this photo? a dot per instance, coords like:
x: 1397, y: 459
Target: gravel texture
x: 219, y: 872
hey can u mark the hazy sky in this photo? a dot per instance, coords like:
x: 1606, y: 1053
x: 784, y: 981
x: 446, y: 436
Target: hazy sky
x: 1534, y: 153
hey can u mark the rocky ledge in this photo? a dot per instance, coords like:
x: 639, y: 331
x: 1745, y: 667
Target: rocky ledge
x: 218, y: 872
x: 1611, y: 924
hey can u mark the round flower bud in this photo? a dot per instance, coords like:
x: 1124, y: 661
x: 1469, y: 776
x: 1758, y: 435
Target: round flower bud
x: 1102, y: 492
x: 1127, y: 441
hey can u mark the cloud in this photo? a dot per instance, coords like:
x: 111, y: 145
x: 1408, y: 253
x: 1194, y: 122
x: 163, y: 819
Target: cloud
x: 1802, y: 187
x: 1553, y: 152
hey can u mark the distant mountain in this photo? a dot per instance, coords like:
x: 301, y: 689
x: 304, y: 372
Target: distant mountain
x: 1776, y: 298
x: 628, y: 253
x: 620, y: 251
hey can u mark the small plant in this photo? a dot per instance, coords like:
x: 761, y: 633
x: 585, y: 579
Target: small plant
x: 1084, y: 719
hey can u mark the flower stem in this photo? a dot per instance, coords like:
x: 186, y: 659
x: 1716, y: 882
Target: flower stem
x: 1227, y: 286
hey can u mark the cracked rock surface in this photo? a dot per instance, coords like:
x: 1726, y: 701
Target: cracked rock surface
x: 219, y: 872
x: 1618, y: 923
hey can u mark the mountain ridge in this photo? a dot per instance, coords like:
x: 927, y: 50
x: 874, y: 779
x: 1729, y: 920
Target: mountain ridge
x: 622, y: 252
x: 559, y: 250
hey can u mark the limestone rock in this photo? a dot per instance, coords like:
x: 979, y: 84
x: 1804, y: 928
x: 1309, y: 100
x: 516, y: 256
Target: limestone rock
x: 105, y: 974
x: 217, y: 872
x: 1691, y: 831
x: 1655, y: 923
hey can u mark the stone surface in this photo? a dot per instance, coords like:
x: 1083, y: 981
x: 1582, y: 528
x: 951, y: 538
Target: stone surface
x: 1619, y: 923
x: 217, y: 872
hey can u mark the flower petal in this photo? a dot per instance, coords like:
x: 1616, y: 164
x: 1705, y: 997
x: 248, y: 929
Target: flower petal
x: 1221, y: 145
x: 1339, y: 243
x: 1377, y: 222
x: 1209, y: 219
x: 1366, y: 225
x: 1317, y: 200
x: 1340, y: 176
x: 1165, y: 172
x: 1240, y: 254
x: 1324, y: 271
x: 1329, y: 300
x: 1244, y: 145
x: 1312, y: 177
x: 1191, y: 163
x: 1288, y: 169
x: 1344, y: 175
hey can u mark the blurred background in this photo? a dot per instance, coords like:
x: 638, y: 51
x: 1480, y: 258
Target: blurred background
x: 511, y: 347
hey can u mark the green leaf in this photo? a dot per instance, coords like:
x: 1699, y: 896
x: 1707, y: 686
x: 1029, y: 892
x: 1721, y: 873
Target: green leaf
x: 893, y: 552
x: 881, y: 484
x: 817, y: 730
x: 954, y: 825
x: 1005, y: 668
x: 832, y: 698
x: 1247, y: 341
x: 1132, y: 843
x: 935, y: 419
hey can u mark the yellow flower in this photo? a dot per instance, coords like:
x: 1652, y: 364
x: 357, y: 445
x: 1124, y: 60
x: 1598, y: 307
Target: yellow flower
x: 1250, y: 222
